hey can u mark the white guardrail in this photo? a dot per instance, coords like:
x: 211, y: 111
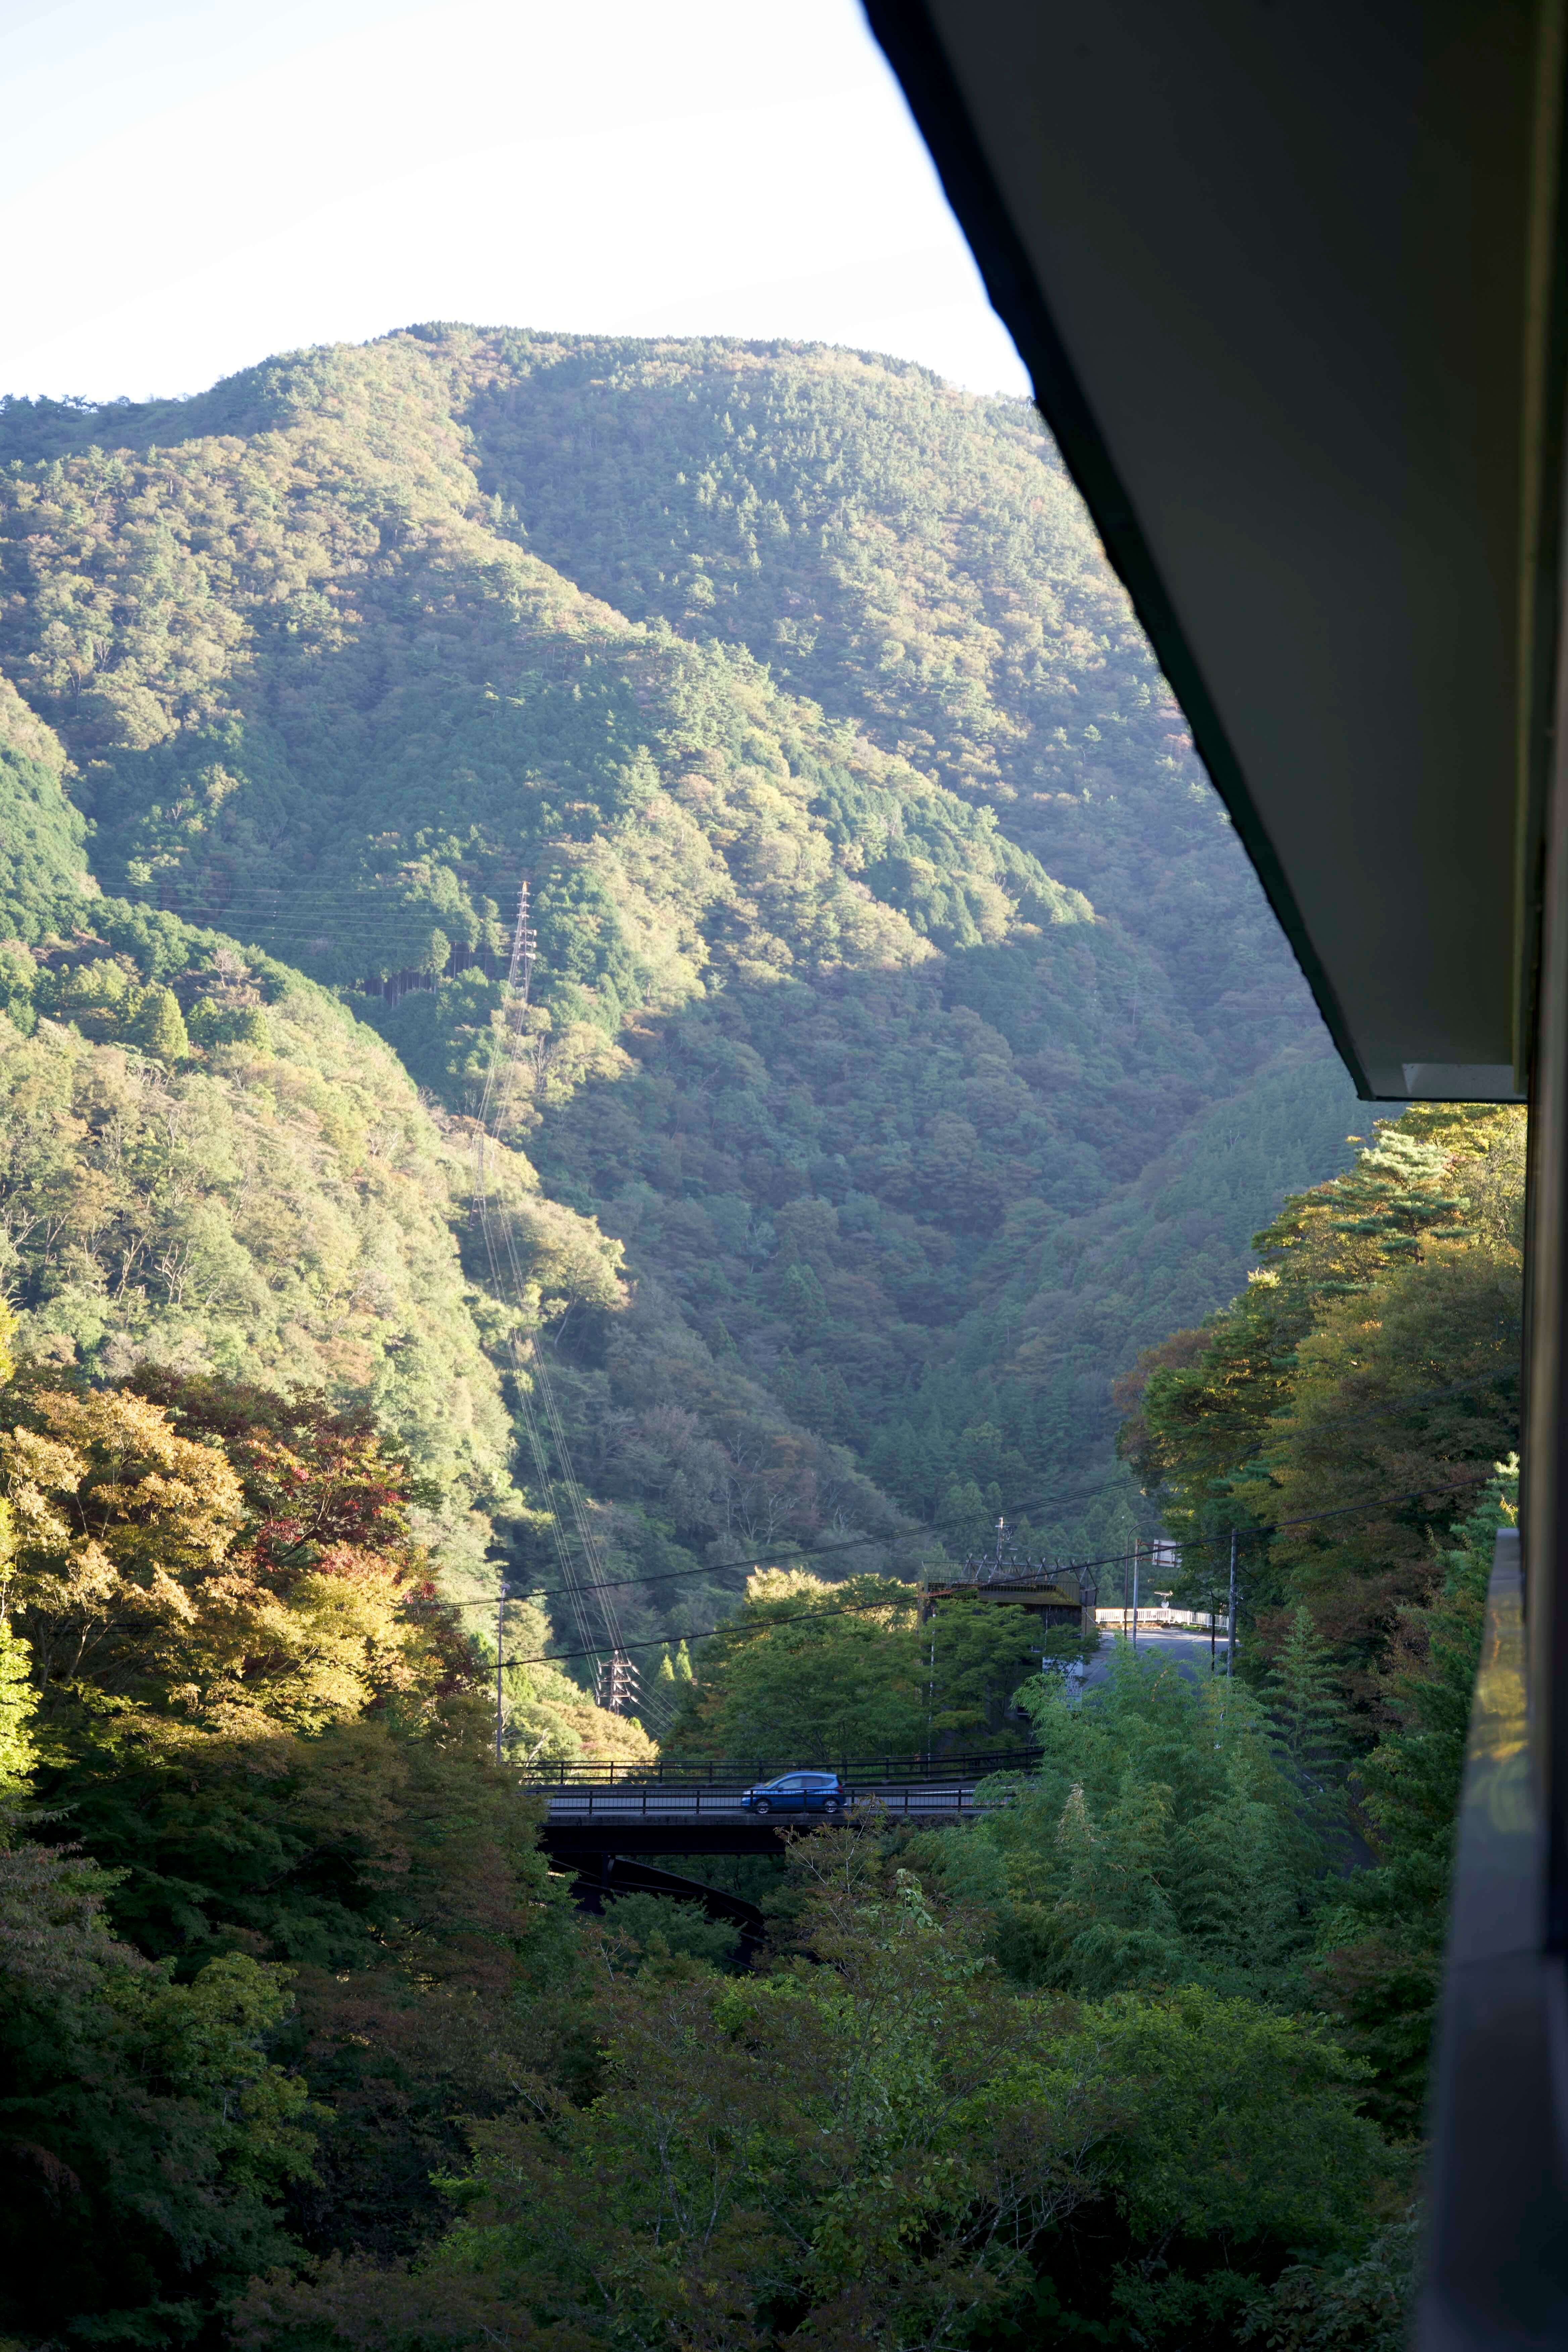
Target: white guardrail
x: 1160, y: 1615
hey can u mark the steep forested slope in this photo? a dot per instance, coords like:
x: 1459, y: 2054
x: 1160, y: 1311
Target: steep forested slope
x: 919, y: 563
x: 905, y: 1005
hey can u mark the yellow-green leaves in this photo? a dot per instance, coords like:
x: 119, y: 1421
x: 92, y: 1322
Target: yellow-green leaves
x: 18, y: 1704
x: 141, y: 1600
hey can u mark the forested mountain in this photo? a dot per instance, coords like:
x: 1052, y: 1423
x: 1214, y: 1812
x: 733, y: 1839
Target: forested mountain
x: 918, y: 563
x: 906, y: 1010
x: 909, y: 1062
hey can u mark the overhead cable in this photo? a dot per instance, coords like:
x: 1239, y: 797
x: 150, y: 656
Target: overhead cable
x: 1112, y: 1559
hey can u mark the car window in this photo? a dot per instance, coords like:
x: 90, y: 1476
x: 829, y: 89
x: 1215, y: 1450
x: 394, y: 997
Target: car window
x: 793, y: 1780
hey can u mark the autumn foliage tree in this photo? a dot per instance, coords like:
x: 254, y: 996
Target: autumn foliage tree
x: 263, y: 1764
x: 165, y: 1588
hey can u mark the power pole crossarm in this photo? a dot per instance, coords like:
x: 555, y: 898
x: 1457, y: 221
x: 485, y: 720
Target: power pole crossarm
x: 524, y: 947
x: 618, y: 1685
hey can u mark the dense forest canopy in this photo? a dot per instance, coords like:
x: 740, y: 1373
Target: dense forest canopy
x: 910, y: 1092
x: 1328, y: 1428
x: 905, y: 1011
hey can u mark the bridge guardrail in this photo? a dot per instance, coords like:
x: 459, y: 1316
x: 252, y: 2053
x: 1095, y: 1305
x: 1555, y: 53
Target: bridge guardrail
x: 686, y: 1804
x: 879, y: 1771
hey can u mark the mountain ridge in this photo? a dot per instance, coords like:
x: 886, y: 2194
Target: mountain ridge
x: 891, y: 942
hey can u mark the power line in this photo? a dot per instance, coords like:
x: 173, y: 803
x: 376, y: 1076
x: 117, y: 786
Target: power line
x: 371, y: 909
x: 494, y: 1114
x: 521, y: 964
x: 847, y: 1609
x: 1111, y: 1560
x: 1407, y: 1404
x: 1311, y: 1518
x: 787, y: 1557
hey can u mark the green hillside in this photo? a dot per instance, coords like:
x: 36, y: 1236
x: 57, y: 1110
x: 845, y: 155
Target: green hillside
x: 906, y: 1010
x: 917, y: 561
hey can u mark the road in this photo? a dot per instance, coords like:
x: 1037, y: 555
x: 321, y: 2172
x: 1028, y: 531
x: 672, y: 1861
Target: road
x: 1187, y: 1650
x: 651, y: 1820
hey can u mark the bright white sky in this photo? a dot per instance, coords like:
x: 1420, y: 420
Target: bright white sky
x: 187, y: 188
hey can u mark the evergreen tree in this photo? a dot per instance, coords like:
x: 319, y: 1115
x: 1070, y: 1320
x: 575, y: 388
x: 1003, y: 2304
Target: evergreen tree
x: 158, y: 1027
x: 1308, y: 1716
x: 802, y: 1301
x: 964, y: 1519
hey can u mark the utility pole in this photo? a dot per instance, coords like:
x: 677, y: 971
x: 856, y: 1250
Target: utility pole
x: 500, y: 1633
x: 930, y: 1683
x: 1230, y: 1618
x: 1135, y: 1552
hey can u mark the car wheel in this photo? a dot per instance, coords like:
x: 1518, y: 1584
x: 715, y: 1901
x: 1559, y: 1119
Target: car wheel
x: 832, y: 1805
x: 760, y: 1805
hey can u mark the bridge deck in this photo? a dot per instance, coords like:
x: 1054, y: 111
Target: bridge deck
x: 651, y: 1820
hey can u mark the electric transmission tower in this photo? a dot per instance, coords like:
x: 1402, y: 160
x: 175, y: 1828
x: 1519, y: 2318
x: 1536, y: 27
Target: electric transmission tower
x: 616, y: 1685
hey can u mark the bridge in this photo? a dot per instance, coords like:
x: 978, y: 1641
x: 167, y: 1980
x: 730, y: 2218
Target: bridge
x: 602, y: 1820
x: 1062, y: 1599
x: 598, y: 1878
x: 649, y: 1817
x: 596, y: 1833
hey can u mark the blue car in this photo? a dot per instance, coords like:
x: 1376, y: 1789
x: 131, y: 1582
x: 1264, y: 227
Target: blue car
x: 797, y: 1792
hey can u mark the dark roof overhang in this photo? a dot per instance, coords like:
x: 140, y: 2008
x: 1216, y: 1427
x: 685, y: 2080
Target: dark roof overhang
x: 1286, y: 280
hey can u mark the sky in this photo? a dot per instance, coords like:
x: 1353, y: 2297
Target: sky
x: 187, y: 189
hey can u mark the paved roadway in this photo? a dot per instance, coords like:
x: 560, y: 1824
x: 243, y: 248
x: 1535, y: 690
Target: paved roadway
x: 1187, y: 1650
